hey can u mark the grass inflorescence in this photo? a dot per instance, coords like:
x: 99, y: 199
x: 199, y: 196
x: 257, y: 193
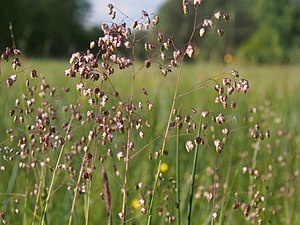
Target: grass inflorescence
x: 118, y: 140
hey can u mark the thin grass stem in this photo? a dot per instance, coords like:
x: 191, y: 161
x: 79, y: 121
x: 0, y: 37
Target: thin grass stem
x: 125, y: 186
x: 87, y: 208
x: 149, y: 220
x: 76, y: 190
x: 43, y: 216
x: 178, y: 177
x: 194, y: 170
x: 41, y: 180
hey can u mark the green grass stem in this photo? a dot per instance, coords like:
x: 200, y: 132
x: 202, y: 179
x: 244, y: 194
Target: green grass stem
x: 178, y: 177
x: 164, y: 145
x: 44, y: 213
x: 194, y: 170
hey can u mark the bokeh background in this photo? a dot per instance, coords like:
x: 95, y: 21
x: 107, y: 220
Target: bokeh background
x: 260, y: 31
x: 261, y: 41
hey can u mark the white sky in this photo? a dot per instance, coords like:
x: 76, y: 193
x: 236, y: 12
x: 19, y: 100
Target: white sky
x: 131, y: 8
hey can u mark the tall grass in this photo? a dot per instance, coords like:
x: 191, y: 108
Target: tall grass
x: 281, y: 101
x: 134, y: 147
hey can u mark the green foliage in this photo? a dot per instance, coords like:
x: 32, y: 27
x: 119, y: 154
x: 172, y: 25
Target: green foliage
x: 281, y: 188
x: 48, y: 28
x: 174, y: 22
x: 261, y: 31
x: 263, y: 46
x: 237, y: 30
x: 60, y: 134
x: 277, y: 37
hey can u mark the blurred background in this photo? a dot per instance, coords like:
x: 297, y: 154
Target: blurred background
x: 260, y: 31
x: 263, y: 32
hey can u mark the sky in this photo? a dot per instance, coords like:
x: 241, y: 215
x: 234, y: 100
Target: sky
x: 132, y: 8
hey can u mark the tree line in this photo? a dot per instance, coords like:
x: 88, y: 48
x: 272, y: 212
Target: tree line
x: 261, y: 31
x: 45, y: 27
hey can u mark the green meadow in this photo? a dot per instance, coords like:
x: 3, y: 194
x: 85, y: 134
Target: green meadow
x: 253, y: 181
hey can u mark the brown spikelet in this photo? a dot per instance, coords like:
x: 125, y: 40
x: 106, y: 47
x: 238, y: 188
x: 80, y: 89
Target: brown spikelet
x: 106, y: 195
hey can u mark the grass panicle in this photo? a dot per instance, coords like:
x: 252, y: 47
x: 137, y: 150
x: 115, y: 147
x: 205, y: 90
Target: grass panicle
x: 118, y: 137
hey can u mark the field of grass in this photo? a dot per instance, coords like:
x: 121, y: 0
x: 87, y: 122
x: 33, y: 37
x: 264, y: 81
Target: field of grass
x: 252, y: 181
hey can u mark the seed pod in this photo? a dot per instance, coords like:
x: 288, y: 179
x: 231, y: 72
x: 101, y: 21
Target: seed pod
x: 217, y: 15
x: 197, y: 2
x: 235, y: 73
x: 134, y: 24
x: 113, y: 15
x: 4, y: 56
x: 92, y: 44
x: 226, y: 16
x: 155, y: 21
x: 254, y: 134
x: 160, y: 37
x: 127, y: 44
x: 174, y: 63
x: 164, y: 72
x: 225, y: 132
x: 220, y: 32
x: 247, y: 210
x: 202, y: 32
x: 214, y: 215
x: 33, y: 73
x: 218, y: 146
x: 9, y: 82
x: 189, y: 146
x: 236, y: 205
x: 199, y: 140
x: 268, y: 133
x: 233, y: 104
x: 204, y: 125
x: 190, y: 50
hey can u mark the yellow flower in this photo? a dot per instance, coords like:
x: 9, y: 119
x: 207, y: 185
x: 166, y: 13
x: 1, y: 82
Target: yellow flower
x: 164, y: 167
x: 135, y: 203
x: 228, y: 58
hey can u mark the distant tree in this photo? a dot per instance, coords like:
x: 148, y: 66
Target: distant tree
x: 240, y: 27
x: 277, y: 38
x: 44, y: 27
x: 173, y: 21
